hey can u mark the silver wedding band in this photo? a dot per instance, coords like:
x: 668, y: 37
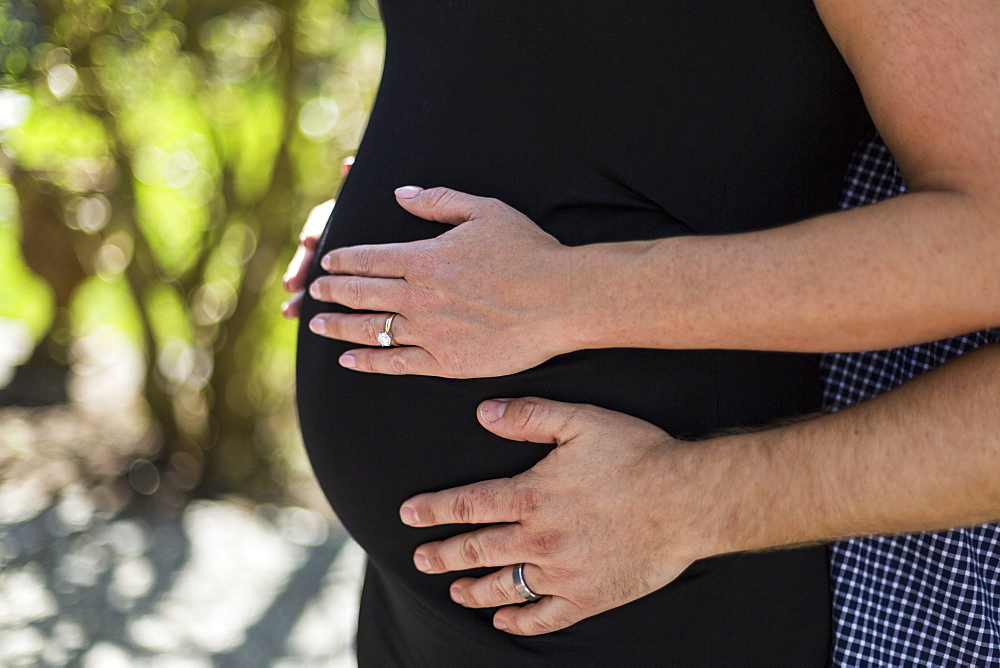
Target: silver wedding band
x: 521, y: 586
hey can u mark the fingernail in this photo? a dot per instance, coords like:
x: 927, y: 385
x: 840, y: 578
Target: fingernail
x: 348, y: 361
x: 317, y: 325
x: 325, y: 262
x: 500, y: 624
x: 314, y: 290
x: 409, y: 515
x: 456, y: 596
x: 493, y: 410
x: 408, y: 192
x: 422, y: 563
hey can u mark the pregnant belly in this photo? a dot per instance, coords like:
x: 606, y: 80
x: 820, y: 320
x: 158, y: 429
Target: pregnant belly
x: 376, y: 440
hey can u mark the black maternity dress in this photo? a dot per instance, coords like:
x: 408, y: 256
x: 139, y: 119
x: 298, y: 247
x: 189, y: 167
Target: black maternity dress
x: 601, y: 121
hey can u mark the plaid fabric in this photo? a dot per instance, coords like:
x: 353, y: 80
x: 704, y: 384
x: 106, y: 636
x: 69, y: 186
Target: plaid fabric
x: 919, y: 599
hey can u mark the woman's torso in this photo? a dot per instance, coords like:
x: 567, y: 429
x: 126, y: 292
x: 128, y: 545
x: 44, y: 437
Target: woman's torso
x: 601, y: 122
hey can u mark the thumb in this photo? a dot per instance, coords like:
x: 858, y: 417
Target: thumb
x: 531, y: 419
x: 442, y: 205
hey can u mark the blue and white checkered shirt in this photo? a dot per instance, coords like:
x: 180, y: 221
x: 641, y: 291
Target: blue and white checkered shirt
x: 918, y: 599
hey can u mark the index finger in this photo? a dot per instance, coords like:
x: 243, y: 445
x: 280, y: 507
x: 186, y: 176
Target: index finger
x: 479, y: 503
x: 382, y: 261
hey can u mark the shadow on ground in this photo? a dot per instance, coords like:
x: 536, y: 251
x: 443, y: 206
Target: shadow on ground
x: 212, y: 584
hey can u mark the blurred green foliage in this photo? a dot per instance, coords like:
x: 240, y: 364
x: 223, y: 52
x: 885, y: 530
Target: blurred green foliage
x: 158, y: 159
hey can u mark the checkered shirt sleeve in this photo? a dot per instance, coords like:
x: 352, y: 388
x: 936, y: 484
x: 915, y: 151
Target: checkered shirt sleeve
x: 918, y: 599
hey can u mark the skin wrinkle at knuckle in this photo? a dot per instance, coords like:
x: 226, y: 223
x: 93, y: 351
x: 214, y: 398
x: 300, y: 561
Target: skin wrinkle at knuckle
x: 371, y: 327
x: 471, y: 551
x: 463, y: 508
x: 527, y: 503
x: 498, y: 589
x: 544, y: 543
x: 365, y: 260
x: 525, y: 413
x: 397, y: 362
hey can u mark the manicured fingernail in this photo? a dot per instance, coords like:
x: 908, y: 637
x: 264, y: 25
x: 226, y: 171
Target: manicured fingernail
x: 409, y: 515
x: 422, y: 563
x: 493, y: 410
x: 500, y: 624
x: 408, y: 192
x: 456, y: 596
x: 348, y: 361
x: 314, y: 290
x: 317, y: 325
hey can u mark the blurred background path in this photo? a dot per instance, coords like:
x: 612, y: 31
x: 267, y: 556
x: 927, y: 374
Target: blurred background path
x: 104, y: 566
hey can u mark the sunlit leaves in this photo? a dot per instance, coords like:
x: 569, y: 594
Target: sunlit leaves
x: 181, y: 143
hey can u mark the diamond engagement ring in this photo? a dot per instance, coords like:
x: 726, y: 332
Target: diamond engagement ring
x: 521, y: 586
x: 385, y: 338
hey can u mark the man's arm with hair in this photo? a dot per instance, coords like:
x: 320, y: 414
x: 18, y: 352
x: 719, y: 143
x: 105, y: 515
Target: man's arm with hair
x: 620, y: 502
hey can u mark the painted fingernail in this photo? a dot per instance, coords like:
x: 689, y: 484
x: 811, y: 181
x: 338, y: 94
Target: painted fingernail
x: 325, y: 262
x: 409, y: 515
x: 422, y: 563
x: 314, y: 290
x: 500, y: 624
x: 493, y: 410
x: 317, y: 325
x: 348, y: 361
x: 456, y: 596
x: 408, y: 192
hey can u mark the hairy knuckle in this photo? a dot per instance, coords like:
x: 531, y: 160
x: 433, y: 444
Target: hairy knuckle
x: 544, y: 542
x: 528, y: 501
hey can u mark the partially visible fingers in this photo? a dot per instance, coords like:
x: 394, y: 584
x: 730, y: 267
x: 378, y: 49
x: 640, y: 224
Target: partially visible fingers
x: 315, y: 222
x: 496, y: 589
x: 292, y: 308
x: 552, y: 613
x: 295, y: 276
x: 402, y: 361
x: 359, y: 292
x: 359, y: 328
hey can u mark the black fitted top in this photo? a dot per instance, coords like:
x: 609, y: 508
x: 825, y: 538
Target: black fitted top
x: 602, y: 122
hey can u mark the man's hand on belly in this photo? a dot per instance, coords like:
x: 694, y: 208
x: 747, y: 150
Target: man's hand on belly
x: 616, y: 511
x: 490, y: 297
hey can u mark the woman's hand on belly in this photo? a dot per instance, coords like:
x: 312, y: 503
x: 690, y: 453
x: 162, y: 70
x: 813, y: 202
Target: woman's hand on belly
x: 487, y: 298
x: 618, y: 510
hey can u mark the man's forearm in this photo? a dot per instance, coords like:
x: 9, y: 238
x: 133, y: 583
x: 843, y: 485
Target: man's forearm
x: 915, y: 268
x: 923, y: 457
